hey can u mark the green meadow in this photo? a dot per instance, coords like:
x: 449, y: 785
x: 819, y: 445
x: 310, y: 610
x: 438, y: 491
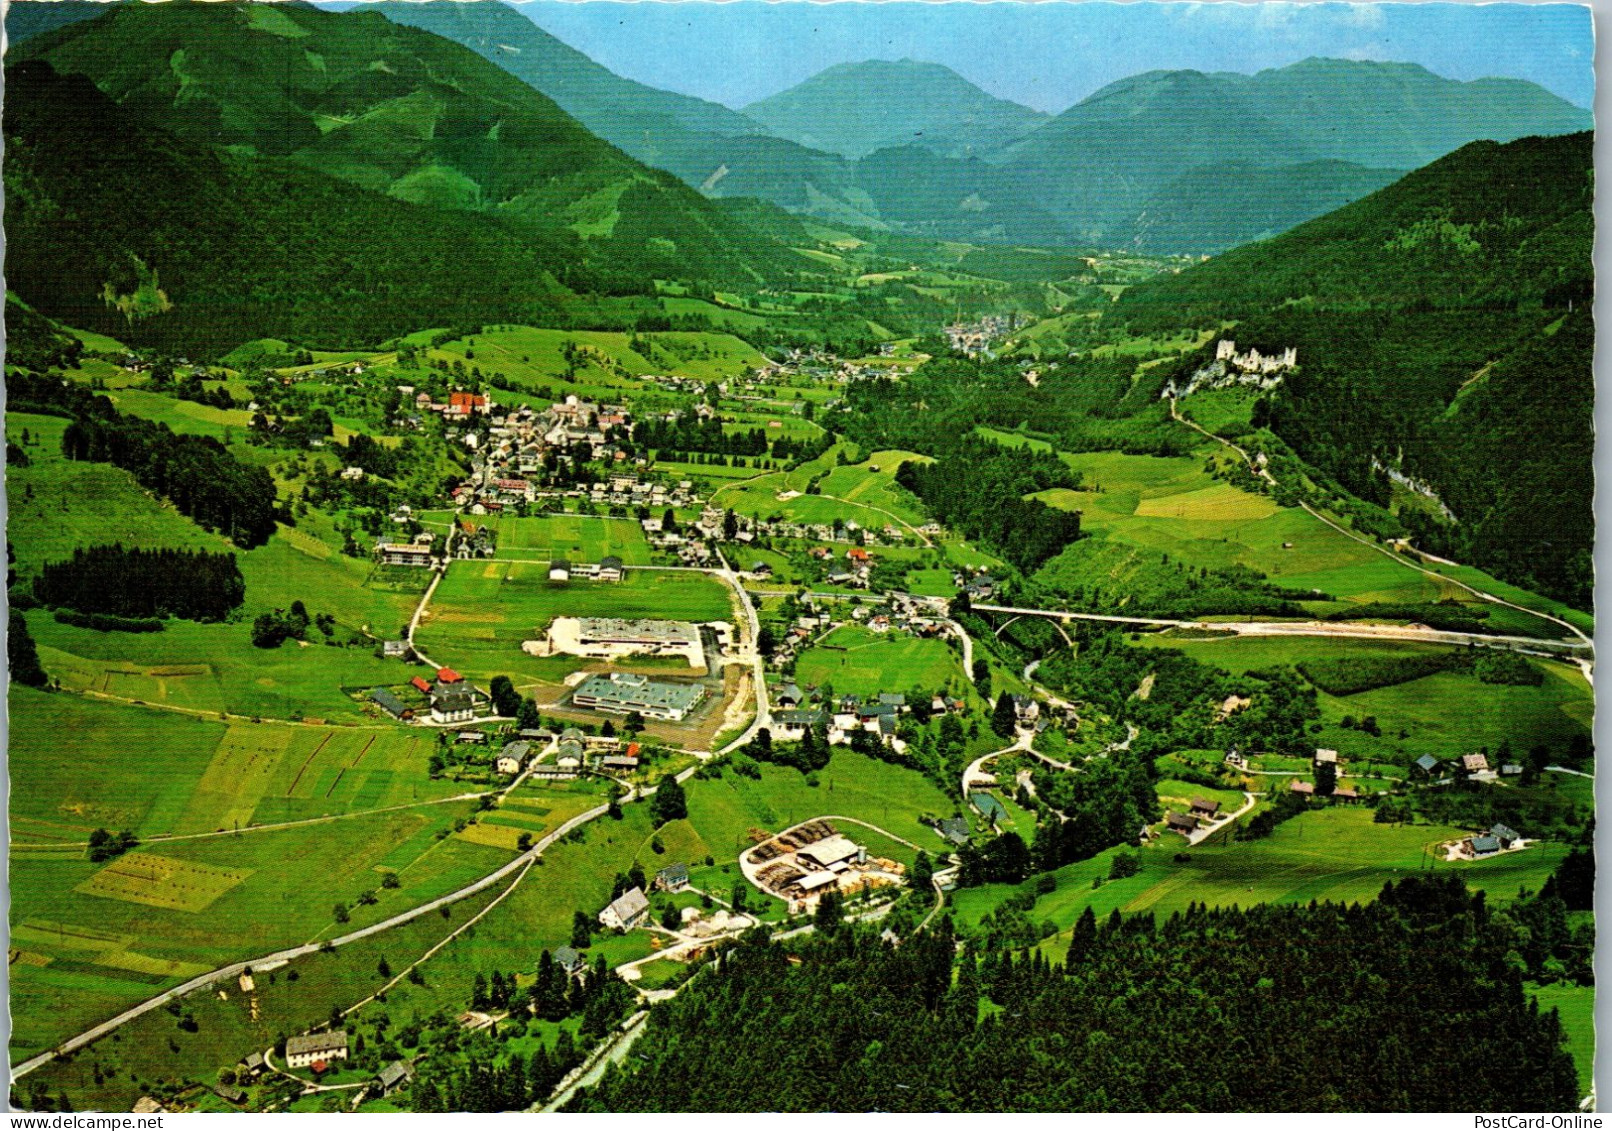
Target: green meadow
x: 859, y: 661
x: 1446, y: 714
x: 56, y: 505
x: 1336, y: 853
x: 575, y: 538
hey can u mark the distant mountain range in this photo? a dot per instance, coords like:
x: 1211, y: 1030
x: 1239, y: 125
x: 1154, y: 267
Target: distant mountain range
x: 854, y: 109
x: 1164, y: 162
x: 1100, y: 162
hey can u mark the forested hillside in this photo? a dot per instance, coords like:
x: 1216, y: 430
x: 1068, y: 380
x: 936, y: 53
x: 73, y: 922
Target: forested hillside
x: 1403, y: 1004
x: 405, y: 113
x: 1443, y: 331
x: 115, y: 225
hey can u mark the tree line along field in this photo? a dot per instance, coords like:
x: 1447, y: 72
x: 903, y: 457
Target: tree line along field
x: 1445, y: 714
x: 483, y: 610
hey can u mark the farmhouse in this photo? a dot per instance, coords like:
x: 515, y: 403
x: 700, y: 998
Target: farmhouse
x: 611, y: 569
x: 1326, y: 757
x: 452, y: 704
x: 1474, y: 763
x: 620, y: 693
x: 570, y: 960
x: 1427, y: 763
x: 627, y: 911
x: 559, y: 571
x: 393, y: 1076
x: 1181, y: 823
x: 316, y: 1048
x: 1203, y: 807
x: 954, y: 829
x: 672, y: 878
x: 1301, y: 787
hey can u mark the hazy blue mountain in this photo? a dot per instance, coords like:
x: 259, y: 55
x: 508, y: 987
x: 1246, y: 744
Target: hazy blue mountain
x: 1106, y: 165
x: 856, y: 108
x: 1401, y: 115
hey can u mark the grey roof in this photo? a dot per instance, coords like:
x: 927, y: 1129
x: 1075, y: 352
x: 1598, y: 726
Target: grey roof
x: 630, y: 904
x: 887, y: 724
x: 892, y: 699
x: 611, y: 562
x: 1501, y: 832
x: 394, y: 1074
x: 387, y: 702
x: 633, y: 692
x: 316, y: 1042
x: 569, y: 958
x: 673, y: 873
x: 1427, y: 762
x: 1482, y: 844
x: 954, y: 829
x: 517, y: 750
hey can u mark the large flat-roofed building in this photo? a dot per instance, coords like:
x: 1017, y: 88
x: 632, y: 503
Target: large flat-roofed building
x: 621, y: 693
x: 610, y: 638
x: 642, y: 634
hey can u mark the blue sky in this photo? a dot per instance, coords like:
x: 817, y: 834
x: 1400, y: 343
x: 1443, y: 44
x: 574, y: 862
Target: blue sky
x: 1051, y: 54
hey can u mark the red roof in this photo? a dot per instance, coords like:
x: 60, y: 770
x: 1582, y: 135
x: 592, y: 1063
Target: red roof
x: 421, y: 684
x: 857, y: 554
x: 632, y: 750
x: 466, y: 400
x: 448, y: 675
x: 319, y: 1067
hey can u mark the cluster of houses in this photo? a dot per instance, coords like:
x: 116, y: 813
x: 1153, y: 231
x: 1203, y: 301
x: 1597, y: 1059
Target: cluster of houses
x: 976, y: 338
x: 797, y: 710
x: 901, y: 612
x: 447, y: 698
x: 817, y: 365
x: 519, y: 445
x: 575, y: 753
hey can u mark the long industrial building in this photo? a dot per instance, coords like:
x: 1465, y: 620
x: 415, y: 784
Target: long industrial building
x: 621, y: 693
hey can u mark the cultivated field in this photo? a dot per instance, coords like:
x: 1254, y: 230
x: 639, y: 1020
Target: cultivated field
x: 574, y: 538
x: 858, y: 661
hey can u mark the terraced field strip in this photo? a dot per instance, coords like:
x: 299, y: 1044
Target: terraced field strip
x: 314, y: 754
